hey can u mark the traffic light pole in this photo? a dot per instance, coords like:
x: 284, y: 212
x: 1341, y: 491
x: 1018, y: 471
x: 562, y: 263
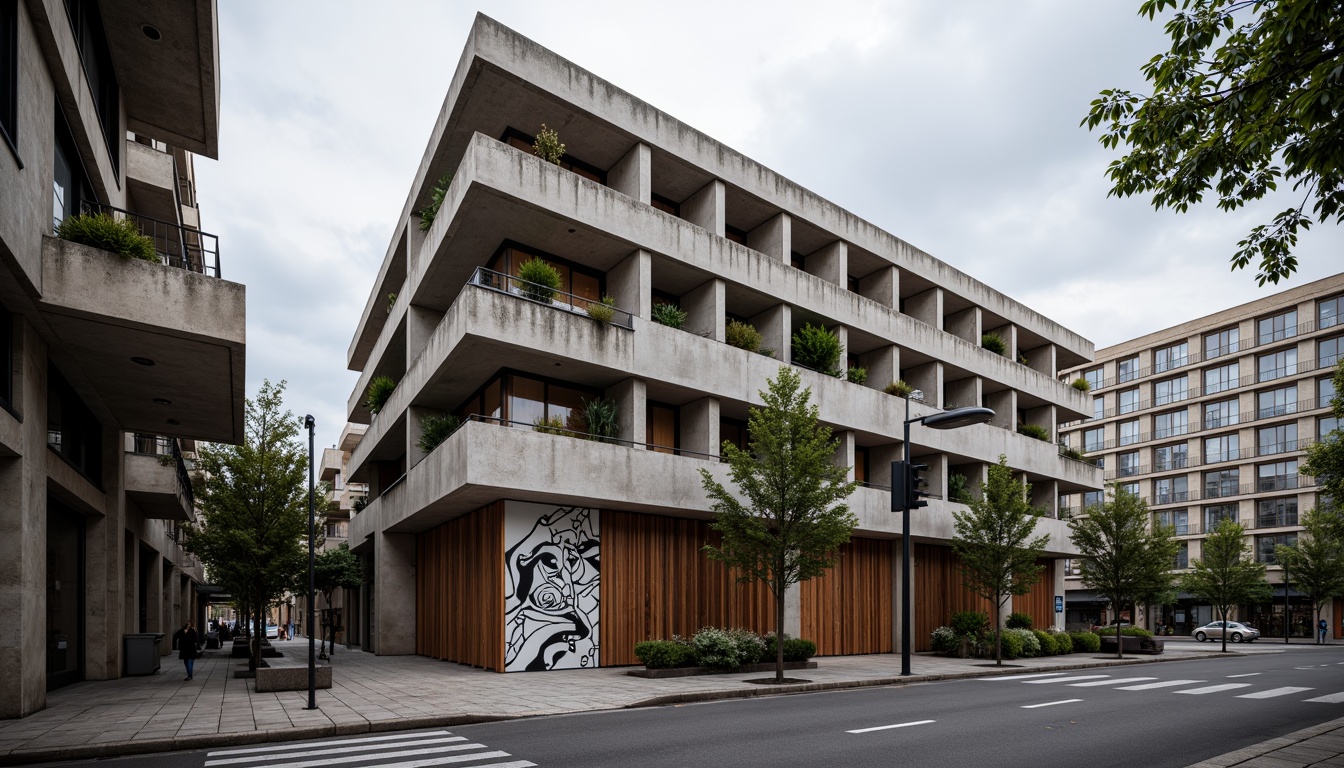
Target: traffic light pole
x: 907, y: 596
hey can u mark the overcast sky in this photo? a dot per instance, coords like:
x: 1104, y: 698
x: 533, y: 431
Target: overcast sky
x: 953, y: 125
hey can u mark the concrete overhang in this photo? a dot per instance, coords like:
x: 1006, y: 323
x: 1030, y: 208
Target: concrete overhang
x: 151, y: 181
x: 108, y: 312
x: 154, y: 487
x: 169, y: 85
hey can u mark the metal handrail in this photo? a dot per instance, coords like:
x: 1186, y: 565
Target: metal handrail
x: 538, y: 293
x: 176, y: 246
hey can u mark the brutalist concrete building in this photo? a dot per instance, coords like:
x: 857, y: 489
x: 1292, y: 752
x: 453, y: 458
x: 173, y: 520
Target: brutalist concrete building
x: 110, y: 367
x: 1210, y: 419
x: 515, y: 544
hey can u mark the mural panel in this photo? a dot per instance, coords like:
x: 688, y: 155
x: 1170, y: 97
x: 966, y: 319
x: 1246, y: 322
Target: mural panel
x: 551, y: 587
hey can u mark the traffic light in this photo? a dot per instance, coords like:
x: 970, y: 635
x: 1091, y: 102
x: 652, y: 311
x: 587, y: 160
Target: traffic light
x: 914, y: 484
x: 898, y: 478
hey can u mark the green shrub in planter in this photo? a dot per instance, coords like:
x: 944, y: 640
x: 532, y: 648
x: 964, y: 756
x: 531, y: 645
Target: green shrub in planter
x: 668, y: 314
x: 1031, y: 646
x: 795, y: 649
x: 604, y: 311
x: 817, y: 348
x: 380, y: 389
x: 1085, y: 642
x: 1046, y: 641
x: 969, y: 622
x: 600, y: 419
x: 742, y: 335
x: 1018, y: 620
x: 716, y: 649
x: 538, y: 280
x: 101, y: 230
x: 945, y: 641
x: 547, y: 145
x: 1126, y: 632
x: 1034, y: 430
x: 750, y: 646
x: 434, y: 429
x: 1009, y: 640
x: 956, y: 488
x: 1081, y: 384
x: 899, y: 388
x: 552, y: 426
x: 994, y: 343
x: 857, y: 375
x: 664, y: 654
x: 436, y: 196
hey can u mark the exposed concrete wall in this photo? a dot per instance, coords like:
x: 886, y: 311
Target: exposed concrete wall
x: 631, y: 409
x: 926, y: 307
x: 706, y: 208
x: 705, y: 310
x: 831, y: 263
x: 774, y: 238
x: 700, y: 426
x: 884, y: 366
x: 882, y: 286
x: 394, y: 583
x: 776, y: 327
x: 632, y: 175
x: 630, y: 283
x: 420, y: 323
x: 964, y: 324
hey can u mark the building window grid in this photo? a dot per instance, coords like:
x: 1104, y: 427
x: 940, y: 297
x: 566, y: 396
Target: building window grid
x: 1277, y: 402
x: 1169, y: 457
x: 1169, y: 490
x: 1277, y: 365
x: 1279, y: 438
x: 1278, y: 476
x: 9, y: 74
x: 1222, y: 483
x: 1171, y: 390
x: 1127, y: 369
x: 1221, y: 343
x: 1171, y: 424
x: 1223, y: 413
x: 1129, y: 432
x: 1168, y: 358
x: 1222, y: 448
x: 1221, y: 379
x: 1277, y: 328
x: 1329, y: 312
x: 1265, y: 546
x: 1327, y: 352
x: 1128, y: 401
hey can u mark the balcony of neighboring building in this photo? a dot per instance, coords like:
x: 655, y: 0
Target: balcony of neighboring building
x: 156, y: 478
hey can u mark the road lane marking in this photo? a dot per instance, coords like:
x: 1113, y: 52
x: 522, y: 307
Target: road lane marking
x: 1271, y: 693
x: 889, y: 727
x: 1215, y: 688
x: 1049, y: 703
x: 1333, y: 698
x: 1248, y: 674
x: 1110, y: 682
x: 303, y: 752
x: 334, y: 742
x: 407, y: 764
x: 1068, y: 679
x: 1022, y: 677
x: 1163, y: 684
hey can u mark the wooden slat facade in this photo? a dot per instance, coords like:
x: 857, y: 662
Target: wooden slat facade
x: 1039, y: 603
x: 847, y: 610
x: 459, y: 596
x: 940, y: 592
x: 656, y: 582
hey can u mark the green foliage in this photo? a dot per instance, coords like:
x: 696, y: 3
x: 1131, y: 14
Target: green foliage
x: 1031, y: 646
x: 856, y: 375
x: 434, y: 429
x: 436, y: 196
x: 668, y: 314
x: 547, y: 145
x: 604, y: 311
x: 380, y: 389
x: 253, y: 508
x: 994, y: 343
x: 1316, y: 563
x: 956, y: 488
x: 1010, y: 645
x: 600, y: 416
x: 101, y: 230
x: 1325, y: 459
x: 995, y: 541
x: 1247, y: 97
x: 1081, y: 384
x: 795, y: 649
x: 1021, y: 359
x: 716, y: 649
x: 945, y: 641
x: 899, y: 388
x: 552, y: 426
x: 665, y: 654
x: 1046, y: 642
x: 1034, y: 430
x: 1121, y: 557
x: 742, y: 335
x: 817, y: 348
x: 336, y: 568
x: 1086, y: 642
x: 969, y: 622
x: 1018, y: 620
x: 786, y: 520
x: 1226, y: 574
x: 538, y: 280
x: 750, y: 646
x: 1073, y: 453
x: 1130, y: 632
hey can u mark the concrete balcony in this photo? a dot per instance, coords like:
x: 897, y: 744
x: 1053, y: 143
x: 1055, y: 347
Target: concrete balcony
x: 157, y: 480
x: 152, y: 348
x: 151, y: 182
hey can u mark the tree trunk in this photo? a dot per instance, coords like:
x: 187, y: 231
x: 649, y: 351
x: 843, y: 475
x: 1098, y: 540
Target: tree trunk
x: 254, y: 661
x: 1222, y: 612
x: 779, y: 633
x: 998, y: 633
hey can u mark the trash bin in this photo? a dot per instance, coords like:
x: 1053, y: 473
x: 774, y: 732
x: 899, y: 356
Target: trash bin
x: 212, y: 640
x: 142, y: 652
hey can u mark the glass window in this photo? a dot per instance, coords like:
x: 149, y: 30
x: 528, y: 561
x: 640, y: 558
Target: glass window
x: 1129, y: 400
x: 1168, y: 490
x: 1182, y: 551
x: 1127, y: 370
x: 1220, y: 414
x: 1170, y: 457
x: 576, y: 280
x: 1265, y: 546
x: 1221, y: 343
x: 1325, y: 392
x: 1327, y: 352
x: 9, y: 73
x: 1329, y: 312
x: 1217, y: 512
x: 1127, y: 464
x: 1223, y: 482
x: 1223, y: 448
x: 1093, y: 439
x: 1277, y: 365
x: 1094, y: 378
x: 1276, y: 513
x: 1278, y: 327
x: 1277, y: 402
x: 1170, y: 424
x: 733, y: 431
x: 1170, y: 390
x: 1131, y: 488
x: 1220, y: 379
x: 1092, y: 499
x: 1129, y: 432
x: 860, y: 464
x: 527, y: 401
x: 1279, y: 476
x: 91, y: 40
x: 72, y: 430
x: 1098, y: 407
x: 1171, y: 357
x: 565, y: 404
x: 1279, y: 438
x: 1325, y: 426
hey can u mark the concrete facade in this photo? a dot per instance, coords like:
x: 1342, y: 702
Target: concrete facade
x: 1211, y: 418
x: 675, y: 216
x: 111, y: 368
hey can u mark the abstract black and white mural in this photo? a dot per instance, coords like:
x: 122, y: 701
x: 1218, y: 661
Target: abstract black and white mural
x: 551, y: 587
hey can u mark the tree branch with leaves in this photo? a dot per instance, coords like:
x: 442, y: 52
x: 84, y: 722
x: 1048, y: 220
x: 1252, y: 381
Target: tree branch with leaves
x: 1226, y: 573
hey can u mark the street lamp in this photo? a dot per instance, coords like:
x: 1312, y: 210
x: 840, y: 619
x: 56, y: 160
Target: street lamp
x: 311, y: 423
x: 953, y: 419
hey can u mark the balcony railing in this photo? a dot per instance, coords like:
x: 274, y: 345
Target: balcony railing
x: 159, y: 445
x: 176, y: 246
x: 541, y: 294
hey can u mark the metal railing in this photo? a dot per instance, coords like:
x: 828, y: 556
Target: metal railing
x: 160, y: 445
x: 176, y: 246
x: 551, y: 297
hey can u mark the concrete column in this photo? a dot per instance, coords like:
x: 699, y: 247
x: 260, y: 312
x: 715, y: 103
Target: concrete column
x: 1043, y: 359
x: 937, y: 468
x: 1044, y: 416
x: 630, y: 283
x: 1004, y: 405
x: 130, y: 560
x: 883, y: 364
x: 774, y: 238
x: 844, y: 452
x: 169, y: 593
x: 842, y: 335
x: 897, y: 585
x: 415, y: 242
x: 926, y: 307
x: 700, y: 426
x: 831, y: 263
x: 706, y: 207
x: 1009, y: 335
x: 1056, y: 576
x: 705, y: 307
x: 1045, y: 495
x: 632, y: 175
x: 631, y: 409
x: 882, y: 286
x: 420, y: 325
x: 927, y: 378
x: 394, y: 582
x: 793, y: 610
x: 776, y: 327
x: 964, y: 324
x: 879, y: 461
x: 963, y: 392
x: 153, y: 590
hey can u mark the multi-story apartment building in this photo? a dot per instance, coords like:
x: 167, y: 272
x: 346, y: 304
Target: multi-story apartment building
x: 1210, y: 419
x: 343, y: 499
x: 485, y: 550
x: 109, y: 368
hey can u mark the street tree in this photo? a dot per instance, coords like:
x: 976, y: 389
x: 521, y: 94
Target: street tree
x: 334, y: 569
x: 1325, y: 459
x: 251, y: 534
x: 995, y: 544
x: 1225, y: 573
x: 1316, y: 561
x: 786, y: 518
x: 1248, y: 97
x: 1122, y: 556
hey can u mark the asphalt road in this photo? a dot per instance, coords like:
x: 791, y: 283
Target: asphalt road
x: 1169, y: 714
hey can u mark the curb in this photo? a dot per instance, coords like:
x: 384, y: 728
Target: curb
x: 1268, y: 747
x: 245, y: 738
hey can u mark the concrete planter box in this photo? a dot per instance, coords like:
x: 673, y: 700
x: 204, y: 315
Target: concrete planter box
x: 1150, y: 645
x: 656, y: 674
x: 287, y: 676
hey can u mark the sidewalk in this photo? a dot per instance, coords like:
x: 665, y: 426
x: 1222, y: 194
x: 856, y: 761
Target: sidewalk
x: 161, y: 713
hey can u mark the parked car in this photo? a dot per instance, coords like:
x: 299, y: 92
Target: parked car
x: 1236, y: 632
x: 272, y: 632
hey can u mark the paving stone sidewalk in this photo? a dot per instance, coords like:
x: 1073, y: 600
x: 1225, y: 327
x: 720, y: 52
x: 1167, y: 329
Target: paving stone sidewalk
x: 163, y: 712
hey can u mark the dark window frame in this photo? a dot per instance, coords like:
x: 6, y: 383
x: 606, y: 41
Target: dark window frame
x: 86, y: 24
x: 7, y: 359
x: 9, y: 76
x: 76, y: 418
x: 493, y: 263
x: 567, y: 161
x: 501, y: 375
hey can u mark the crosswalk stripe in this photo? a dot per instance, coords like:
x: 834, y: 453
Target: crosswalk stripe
x: 458, y: 759
x: 406, y: 753
x: 344, y: 749
x: 1215, y: 688
x: 1050, y: 703
x: 1332, y: 698
x: 1248, y: 674
x: 332, y: 742
x: 1162, y: 684
x: 1110, y: 682
x: 1069, y: 679
x: 1271, y: 693
x: 1020, y: 677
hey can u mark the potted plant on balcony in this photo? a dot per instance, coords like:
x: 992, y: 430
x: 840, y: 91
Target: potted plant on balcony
x: 994, y: 343
x: 547, y: 145
x: 1034, y: 430
x: 742, y: 335
x: 428, y: 213
x: 601, y: 420
x: 817, y: 348
x: 602, y: 311
x: 899, y: 388
x: 668, y: 314
x: 538, y: 280
x: 380, y: 389
x: 434, y: 429
x: 1081, y: 384
x: 101, y: 230
x: 856, y: 374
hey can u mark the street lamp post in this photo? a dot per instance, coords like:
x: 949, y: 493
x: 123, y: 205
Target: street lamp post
x: 311, y: 423
x: 957, y: 417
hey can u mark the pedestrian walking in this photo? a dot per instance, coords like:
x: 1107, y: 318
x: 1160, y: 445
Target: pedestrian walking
x: 1321, y: 626
x: 187, y: 643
